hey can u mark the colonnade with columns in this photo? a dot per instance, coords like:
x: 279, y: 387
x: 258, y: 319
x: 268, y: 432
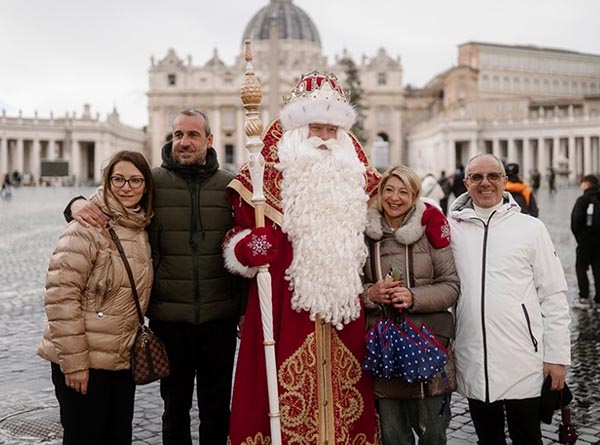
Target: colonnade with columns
x: 25, y: 155
x: 84, y: 143
x: 571, y: 148
x: 570, y: 155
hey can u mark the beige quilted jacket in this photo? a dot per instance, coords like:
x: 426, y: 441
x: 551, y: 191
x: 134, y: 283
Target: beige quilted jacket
x: 91, y: 313
x: 435, y: 287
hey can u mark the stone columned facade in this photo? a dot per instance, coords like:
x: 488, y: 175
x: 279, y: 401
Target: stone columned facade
x: 286, y: 44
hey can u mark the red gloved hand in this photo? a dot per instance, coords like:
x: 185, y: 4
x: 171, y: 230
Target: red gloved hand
x: 257, y: 248
x: 437, y: 228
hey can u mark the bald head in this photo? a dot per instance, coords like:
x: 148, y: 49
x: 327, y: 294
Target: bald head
x: 485, y: 155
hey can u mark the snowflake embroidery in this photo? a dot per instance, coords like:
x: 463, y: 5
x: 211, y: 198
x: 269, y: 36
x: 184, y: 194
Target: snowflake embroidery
x: 446, y: 231
x: 259, y: 245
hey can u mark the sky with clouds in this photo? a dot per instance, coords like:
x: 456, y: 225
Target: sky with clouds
x: 59, y: 55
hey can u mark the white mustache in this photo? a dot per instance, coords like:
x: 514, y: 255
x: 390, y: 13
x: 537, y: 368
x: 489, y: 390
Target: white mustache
x: 317, y: 142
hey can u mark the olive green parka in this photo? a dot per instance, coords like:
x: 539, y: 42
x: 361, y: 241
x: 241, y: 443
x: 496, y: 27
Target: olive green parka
x: 191, y: 217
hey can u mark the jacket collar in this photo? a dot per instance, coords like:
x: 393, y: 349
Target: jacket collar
x: 190, y: 171
x: 408, y: 233
x: 462, y: 208
x: 131, y: 218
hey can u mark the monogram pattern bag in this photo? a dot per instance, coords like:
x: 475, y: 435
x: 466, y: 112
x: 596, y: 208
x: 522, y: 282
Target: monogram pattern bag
x: 149, y: 359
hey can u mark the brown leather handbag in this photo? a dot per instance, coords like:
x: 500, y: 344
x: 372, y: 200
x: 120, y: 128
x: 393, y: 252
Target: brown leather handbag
x: 149, y: 359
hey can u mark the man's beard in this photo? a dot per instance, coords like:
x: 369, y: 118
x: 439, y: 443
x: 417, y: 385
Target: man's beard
x: 324, y: 214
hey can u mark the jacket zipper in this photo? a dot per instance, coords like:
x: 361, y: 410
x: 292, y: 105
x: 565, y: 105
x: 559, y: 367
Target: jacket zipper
x: 195, y: 197
x: 483, y: 329
x: 196, y: 226
x: 533, y: 339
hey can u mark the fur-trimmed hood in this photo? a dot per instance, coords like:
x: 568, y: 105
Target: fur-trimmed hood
x: 408, y: 233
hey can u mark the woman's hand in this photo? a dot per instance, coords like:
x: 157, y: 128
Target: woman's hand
x: 78, y: 381
x: 391, y: 292
x: 402, y: 299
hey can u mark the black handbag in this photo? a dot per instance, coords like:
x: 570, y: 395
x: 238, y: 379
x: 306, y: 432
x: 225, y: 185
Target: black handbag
x: 149, y: 359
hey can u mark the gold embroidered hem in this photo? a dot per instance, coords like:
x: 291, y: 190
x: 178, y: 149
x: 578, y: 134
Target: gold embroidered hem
x: 320, y: 401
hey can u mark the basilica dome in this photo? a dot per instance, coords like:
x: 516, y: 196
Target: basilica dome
x: 294, y: 23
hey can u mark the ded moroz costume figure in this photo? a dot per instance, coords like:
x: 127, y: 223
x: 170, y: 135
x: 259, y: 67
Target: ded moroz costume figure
x: 316, y: 194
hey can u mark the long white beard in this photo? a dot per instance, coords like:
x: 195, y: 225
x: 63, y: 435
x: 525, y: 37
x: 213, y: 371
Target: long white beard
x: 324, y: 214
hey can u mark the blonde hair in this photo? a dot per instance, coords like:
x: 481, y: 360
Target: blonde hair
x: 405, y: 174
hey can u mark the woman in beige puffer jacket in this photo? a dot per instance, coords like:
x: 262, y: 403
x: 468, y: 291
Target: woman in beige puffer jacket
x: 92, y: 319
x: 411, y: 237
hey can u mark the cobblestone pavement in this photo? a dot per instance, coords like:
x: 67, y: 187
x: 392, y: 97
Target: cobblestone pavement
x: 30, y: 223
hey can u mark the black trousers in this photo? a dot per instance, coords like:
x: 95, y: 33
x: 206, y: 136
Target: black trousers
x: 101, y: 417
x: 522, y: 415
x: 588, y: 254
x: 204, y: 353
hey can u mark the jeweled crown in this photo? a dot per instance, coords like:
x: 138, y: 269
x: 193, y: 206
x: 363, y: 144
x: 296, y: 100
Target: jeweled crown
x: 316, y: 85
x: 317, y: 98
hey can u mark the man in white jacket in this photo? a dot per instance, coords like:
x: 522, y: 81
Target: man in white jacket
x: 512, y: 318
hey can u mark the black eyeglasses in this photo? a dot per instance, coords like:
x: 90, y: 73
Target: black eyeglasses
x: 478, y: 177
x: 119, y: 181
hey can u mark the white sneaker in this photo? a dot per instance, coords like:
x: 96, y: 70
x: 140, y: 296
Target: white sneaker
x: 581, y: 303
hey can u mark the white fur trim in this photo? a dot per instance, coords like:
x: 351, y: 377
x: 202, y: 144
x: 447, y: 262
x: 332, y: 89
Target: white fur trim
x: 302, y: 112
x: 374, y: 230
x: 231, y: 262
x: 408, y: 233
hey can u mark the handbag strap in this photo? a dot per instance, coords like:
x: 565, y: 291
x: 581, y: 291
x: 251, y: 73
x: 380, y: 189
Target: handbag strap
x: 409, y: 278
x: 375, y: 251
x: 136, y: 299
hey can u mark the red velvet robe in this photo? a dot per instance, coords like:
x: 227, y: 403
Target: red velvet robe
x: 324, y: 396
x: 323, y: 393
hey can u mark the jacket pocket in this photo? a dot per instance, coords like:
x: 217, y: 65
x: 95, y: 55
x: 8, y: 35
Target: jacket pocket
x: 534, y: 341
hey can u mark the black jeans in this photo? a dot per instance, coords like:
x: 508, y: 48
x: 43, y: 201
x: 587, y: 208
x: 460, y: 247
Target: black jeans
x: 588, y: 253
x: 102, y: 416
x: 203, y: 353
x: 522, y: 415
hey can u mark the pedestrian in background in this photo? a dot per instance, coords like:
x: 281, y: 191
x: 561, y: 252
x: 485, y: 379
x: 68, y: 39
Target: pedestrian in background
x: 551, y: 180
x: 458, y: 186
x: 431, y: 191
x: 196, y: 304
x: 520, y: 191
x: 446, y: 185
x: 6, y: 189
x: 512, y: 317
x: 413, y: 237
x: 92, y: 317
x: 585, y: 225
x: 536, y: 179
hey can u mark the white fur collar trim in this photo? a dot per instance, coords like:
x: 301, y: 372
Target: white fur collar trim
x: 408, y: 233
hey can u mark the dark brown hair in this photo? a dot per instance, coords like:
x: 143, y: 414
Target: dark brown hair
x: 142, y: 165
x: 592, y: 179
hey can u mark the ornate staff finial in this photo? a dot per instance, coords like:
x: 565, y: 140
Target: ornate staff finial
x: 251, y: 94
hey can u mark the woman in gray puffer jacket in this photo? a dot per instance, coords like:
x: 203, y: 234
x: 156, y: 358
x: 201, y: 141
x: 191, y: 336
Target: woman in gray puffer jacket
x: 408, y: 237
x: 92, y: 319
